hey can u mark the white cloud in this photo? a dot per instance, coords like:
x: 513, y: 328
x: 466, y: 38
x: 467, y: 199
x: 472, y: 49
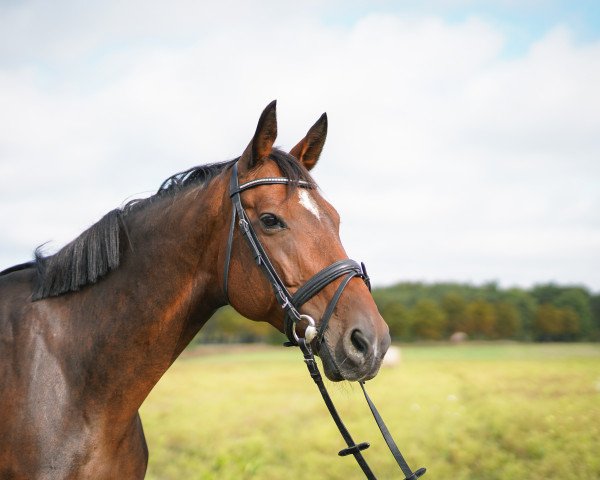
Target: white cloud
x: 446, y: 159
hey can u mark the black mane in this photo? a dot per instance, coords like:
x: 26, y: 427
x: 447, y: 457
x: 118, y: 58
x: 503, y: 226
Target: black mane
x: 98, y: 250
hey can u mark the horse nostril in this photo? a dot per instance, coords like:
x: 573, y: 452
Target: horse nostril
x: 359, y: 342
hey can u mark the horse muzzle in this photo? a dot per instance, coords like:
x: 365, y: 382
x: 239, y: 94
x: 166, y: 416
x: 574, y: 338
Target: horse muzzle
x: 356, y: 356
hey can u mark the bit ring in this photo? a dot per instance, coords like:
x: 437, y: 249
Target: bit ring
x: 311, y: 330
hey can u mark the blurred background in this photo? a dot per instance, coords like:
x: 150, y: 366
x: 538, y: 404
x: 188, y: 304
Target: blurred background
x: 463, y: 156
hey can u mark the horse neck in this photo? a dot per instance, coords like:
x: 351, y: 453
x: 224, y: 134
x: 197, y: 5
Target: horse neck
x: 163, y: 292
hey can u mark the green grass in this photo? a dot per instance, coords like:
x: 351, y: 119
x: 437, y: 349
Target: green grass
x: 478, y: 411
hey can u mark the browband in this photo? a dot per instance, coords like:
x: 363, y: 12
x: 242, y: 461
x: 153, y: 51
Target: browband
x: 268, y: 181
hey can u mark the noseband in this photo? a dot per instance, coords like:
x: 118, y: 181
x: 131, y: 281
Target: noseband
x: 291, y: 305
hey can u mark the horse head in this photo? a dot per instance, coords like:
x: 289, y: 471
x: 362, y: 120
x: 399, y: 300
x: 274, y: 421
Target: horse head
x: 299, y: 232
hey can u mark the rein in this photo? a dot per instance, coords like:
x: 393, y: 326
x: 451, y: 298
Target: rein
x: 291, y: 305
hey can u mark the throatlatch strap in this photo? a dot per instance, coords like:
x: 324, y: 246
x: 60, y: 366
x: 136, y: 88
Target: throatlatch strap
x: 228, y: 255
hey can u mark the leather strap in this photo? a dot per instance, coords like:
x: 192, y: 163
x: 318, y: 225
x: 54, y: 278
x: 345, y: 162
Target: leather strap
x: 387, y: 436
x: 319, y: 281
x: 323, y: 278
x: 268, y: 181
x: 331, y: 307
x: 353, y: 448
x: 228, y: 255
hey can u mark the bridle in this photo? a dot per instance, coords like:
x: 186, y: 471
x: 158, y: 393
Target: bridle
x: 291, y: 304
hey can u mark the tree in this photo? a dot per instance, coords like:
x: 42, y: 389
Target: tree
x: 526, y: 305
x: 480, y: 319
x: 555, y: 323
x: 595, y: 308
x: 547, y: 323
x: 397, y: 318
x: 428, y: 320
x: 227, y: 326
x: 508, y: 320
x: 455, y: 307
x: 546, y: 293
x: 577, y: 299
x: 571, y: 323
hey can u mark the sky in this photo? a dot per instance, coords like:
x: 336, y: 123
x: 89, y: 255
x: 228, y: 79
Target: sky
x: 463, y: 138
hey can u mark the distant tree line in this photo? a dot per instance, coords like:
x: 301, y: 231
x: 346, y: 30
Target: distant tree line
x: 420, y: 311
x: 549, y: 312
x: 228, y: 326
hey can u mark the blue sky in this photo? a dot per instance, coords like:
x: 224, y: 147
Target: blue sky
x: 473, y: 126
x: 523, y: 22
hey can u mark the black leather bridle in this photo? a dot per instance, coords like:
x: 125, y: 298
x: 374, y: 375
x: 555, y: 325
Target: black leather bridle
x: 291, y: 305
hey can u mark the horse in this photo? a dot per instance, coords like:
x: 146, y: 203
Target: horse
x: 87, y: 332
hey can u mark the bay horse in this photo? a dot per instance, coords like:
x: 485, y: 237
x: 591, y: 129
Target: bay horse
x: 86, y: 333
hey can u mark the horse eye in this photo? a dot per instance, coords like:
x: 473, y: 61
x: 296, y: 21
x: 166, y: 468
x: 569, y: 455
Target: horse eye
x: 271, y: 221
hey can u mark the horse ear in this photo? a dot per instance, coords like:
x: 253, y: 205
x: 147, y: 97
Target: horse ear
x: 262, y: 143
x: 310, y: 147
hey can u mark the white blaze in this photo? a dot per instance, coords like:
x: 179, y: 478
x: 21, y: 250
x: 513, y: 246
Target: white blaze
x: 307, y: 202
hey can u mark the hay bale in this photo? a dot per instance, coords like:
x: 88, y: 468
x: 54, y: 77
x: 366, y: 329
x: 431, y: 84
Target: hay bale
x: 392, y: 357
x: 459, y: 337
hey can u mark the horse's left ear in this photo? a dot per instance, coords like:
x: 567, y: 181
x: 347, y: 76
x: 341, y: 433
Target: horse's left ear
x: 262, y: 143
x: 310, y: 147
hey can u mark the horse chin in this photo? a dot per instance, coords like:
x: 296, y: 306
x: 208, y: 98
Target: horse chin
x: 338, y: 370
x: 335, y: 370
x: 330, y: 367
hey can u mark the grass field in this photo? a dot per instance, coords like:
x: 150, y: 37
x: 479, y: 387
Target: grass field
x: 481, y: 411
